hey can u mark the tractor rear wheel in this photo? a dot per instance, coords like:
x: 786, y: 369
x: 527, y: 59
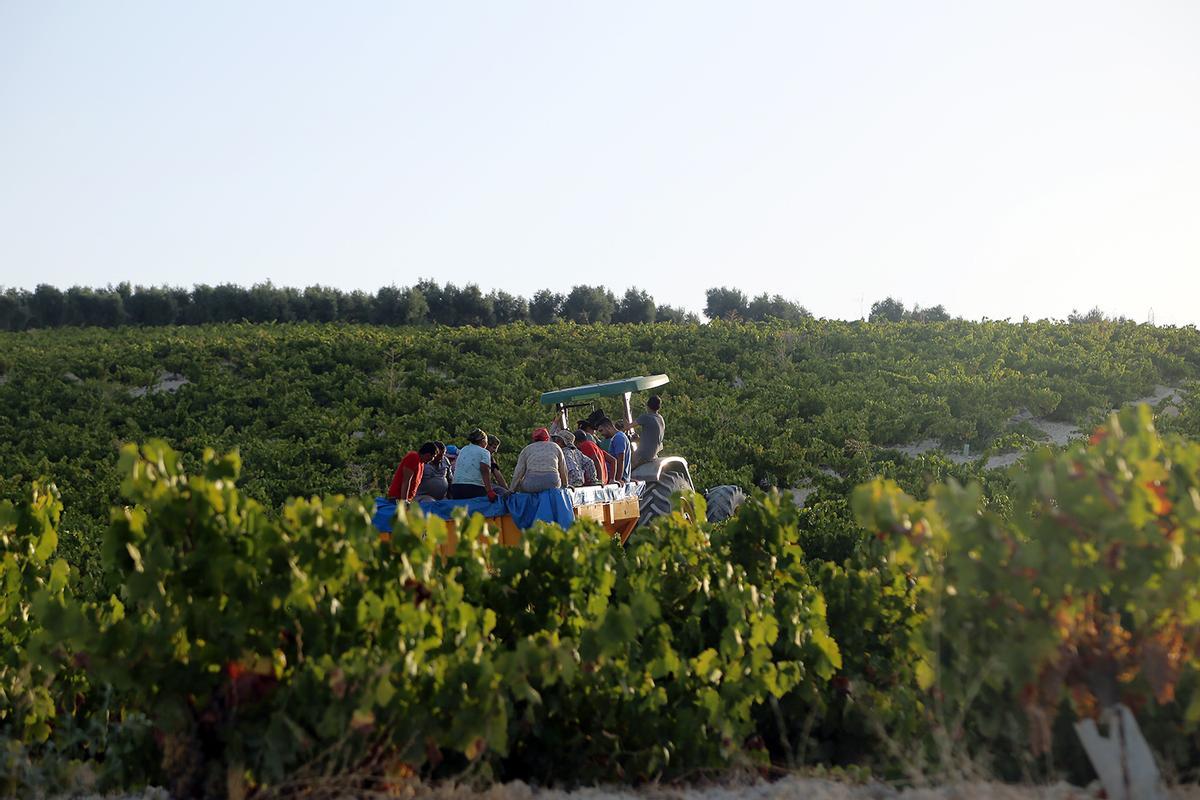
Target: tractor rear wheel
x: 723, y: 502
x: 656, y: 497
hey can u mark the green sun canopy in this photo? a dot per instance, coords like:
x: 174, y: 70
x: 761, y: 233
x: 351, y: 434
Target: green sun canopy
x: 595, y: 391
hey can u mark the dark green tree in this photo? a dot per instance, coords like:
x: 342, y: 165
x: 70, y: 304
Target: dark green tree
x: 47, y: 306
x: 766, y: 307
x: 151, y: 306
x: 936, y: 313
x: 508, y: 308
x: 678, y: 316
x: 725, y: 303
x: 267, y: 303
x: 635, y: 307
x: 322, y: 303
x: 469, y: 306
x: 100, y: 307
x: 230, y: 303
x: 586, y: 305
x: 355, y: 307
x: 546, y: 307
x: 887, y: 310
x: 200, y: 310
x: 14, y: 310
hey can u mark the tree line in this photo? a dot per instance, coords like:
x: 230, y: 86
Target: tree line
x: 424, y: 303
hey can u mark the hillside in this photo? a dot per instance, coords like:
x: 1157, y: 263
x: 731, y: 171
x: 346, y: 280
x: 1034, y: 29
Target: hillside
x: 175, y: 616
x: 329, y: 409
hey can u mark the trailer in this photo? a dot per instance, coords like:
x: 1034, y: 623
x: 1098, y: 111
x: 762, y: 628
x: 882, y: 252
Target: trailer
x: 618, y: 508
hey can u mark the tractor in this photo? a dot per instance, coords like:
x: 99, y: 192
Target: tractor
x: 663, y: 476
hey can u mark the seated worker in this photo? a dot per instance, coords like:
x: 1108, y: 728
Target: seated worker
x: 619, y: 449
x: 600, y: 459
x: 540, y: 466
x: 651, y: 429
x: 587, y: 429
x: 473, y: 470
x: 493, y: 446
x: 435, y: 483
x: 580, y: 469
x: 408, y: 474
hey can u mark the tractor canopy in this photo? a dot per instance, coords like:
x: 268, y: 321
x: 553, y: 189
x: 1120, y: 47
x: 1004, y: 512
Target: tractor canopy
x: 563, y: 399
x: 596, y: 391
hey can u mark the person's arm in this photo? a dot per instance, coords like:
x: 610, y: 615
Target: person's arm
x: 595, y: 465
x: 518, y: 473
x: 407, y: 489
x: 485, y: 472
x: 610, y: 465
x: 619, y: 455
x: 562, y: 470
x: 498, y: 477
x: 589, y: 471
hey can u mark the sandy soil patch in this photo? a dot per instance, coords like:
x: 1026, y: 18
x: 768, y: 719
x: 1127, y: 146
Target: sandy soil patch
x: 805, y: 489
x: 801, y: 493
x: 169, y: 382
x: 1166, y: 400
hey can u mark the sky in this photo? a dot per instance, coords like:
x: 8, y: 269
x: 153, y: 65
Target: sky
x: 1002, y: 159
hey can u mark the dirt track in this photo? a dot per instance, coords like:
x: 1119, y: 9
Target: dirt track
x: 787, y: 789
x: 806, y: 789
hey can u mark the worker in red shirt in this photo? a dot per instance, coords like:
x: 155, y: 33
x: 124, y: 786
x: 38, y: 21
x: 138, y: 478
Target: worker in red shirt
x: 592, y: 450
x: 409, y: 473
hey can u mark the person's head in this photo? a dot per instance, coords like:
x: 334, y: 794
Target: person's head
x: 581, y: 435
x: 477, y: 437
x: 540, y: 435
x: 586, y: 426
x: 427, y: 452
x: 606, y: 426
x: 622, y: 425
x: 493, y: 443
x: 441, y: 450
x: 564, y: 439
x: 452, y: 452
x: 654, y: 403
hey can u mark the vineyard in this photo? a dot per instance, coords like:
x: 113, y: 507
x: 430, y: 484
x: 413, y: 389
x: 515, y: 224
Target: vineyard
x: 194, y: 596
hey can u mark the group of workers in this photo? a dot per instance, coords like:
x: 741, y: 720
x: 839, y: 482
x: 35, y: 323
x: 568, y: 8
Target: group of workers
x: 599, y: 451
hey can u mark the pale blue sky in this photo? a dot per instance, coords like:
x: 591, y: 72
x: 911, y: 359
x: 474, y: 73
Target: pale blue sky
x: 1002, y: 158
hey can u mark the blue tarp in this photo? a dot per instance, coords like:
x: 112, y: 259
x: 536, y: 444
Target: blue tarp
x: 553, y: 506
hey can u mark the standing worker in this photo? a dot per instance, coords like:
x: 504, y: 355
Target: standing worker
x: 618, y: 448
x: 409, y: 473
x: 652, y: 428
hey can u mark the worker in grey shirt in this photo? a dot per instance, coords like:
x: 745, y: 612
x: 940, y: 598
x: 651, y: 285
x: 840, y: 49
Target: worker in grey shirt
x: 651, y: 429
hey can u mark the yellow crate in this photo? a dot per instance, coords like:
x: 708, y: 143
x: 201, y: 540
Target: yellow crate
x: 594, y: 511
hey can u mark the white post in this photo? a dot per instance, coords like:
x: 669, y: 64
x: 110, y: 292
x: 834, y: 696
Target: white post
x: 1122, y: 759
